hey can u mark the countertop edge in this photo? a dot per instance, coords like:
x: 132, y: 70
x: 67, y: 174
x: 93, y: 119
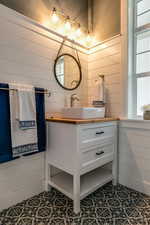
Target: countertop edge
x: 81, y: 121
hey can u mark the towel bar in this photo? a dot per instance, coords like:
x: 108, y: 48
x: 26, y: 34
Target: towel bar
x: 47, y: 92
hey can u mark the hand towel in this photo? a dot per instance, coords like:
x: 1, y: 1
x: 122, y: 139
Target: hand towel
x: 102, y: 91
x: 27, y: 108
x: 23, y: 118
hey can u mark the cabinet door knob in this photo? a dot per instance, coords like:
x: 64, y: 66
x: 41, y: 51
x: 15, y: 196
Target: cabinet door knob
x: 100, y: 153
x: 99, y: 132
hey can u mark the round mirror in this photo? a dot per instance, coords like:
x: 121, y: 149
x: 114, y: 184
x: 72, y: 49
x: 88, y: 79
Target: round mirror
x: 67, y: 71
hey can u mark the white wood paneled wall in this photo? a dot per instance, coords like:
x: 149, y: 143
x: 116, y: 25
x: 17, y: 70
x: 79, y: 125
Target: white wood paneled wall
x: 106, y: 60
x: 134, y: 155
x: 21, y: 179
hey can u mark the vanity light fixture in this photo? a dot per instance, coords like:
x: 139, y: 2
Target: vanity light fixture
x: 78, y: 32
x: 88, y: 38
x: 67, y: 24
x: 55, y: 17
x: 71, y: 29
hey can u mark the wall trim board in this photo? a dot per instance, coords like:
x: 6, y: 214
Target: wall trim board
x: 101, y: 46
x: 135, y: 124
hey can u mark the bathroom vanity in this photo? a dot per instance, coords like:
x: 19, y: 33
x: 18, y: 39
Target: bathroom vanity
x: 81, y: 156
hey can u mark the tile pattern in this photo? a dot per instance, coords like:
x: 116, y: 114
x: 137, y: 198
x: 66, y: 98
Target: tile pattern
x: 107, y: 206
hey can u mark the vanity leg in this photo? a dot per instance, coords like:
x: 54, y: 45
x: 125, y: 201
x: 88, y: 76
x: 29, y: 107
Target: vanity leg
x: 47, y: 165
x: 115, y: 160
x: 76, y: 193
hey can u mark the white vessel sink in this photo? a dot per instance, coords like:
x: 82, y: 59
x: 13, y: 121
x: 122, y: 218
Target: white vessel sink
x: 83, y: 113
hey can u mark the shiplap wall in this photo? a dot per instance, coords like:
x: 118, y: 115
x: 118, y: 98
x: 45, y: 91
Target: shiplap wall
x: 106, y: 60
x: 134, y: 155
x: 28, y: 57
x: 21, y: 179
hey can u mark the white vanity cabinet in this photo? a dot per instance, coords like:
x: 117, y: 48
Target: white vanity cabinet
x: 76, y: 157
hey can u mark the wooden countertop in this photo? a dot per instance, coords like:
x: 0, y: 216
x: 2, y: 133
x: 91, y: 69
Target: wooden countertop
x: 80, y: 121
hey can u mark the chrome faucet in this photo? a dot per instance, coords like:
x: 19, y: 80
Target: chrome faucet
x: 72, y: 99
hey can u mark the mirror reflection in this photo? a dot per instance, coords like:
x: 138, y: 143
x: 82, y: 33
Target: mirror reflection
x: 67, y: 72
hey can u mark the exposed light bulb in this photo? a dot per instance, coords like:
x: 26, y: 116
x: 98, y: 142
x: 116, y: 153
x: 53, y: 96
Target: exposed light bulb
x: 94, y: 41
x: 88, y: 38
x: 72, y: 36
x: 55, y: 17
x: 67, y: 24
x: 78, y: 32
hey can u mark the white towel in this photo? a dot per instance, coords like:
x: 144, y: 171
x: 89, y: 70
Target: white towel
x: 23, y: 118
x: 27, y: 108
x: 102, y: 91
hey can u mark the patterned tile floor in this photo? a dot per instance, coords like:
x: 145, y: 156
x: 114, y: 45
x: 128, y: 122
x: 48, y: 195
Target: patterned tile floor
x: 107, y: 206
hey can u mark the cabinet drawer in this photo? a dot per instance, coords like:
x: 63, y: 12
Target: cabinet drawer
x: 97, y: 156
x: 93, y: 135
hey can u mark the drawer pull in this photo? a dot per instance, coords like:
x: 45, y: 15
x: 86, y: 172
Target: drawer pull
x: 100, y: 153
x: 100, y: 132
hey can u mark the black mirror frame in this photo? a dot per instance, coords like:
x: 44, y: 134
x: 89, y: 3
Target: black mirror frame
x: 79, y: 66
